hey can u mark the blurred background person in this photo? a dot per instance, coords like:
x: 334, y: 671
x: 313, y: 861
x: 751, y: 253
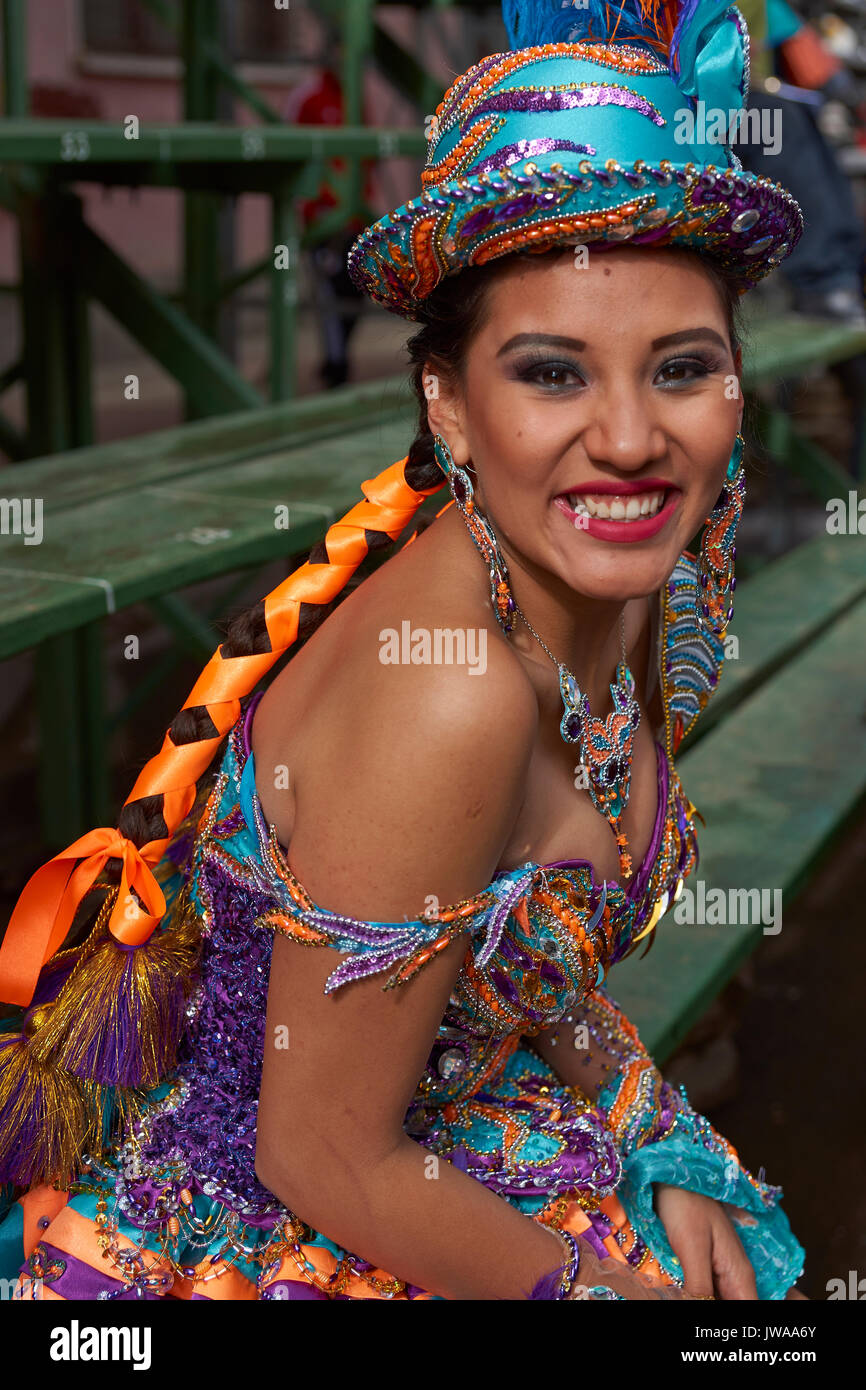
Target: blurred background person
x: 794, y: 72
x: 319, y: 101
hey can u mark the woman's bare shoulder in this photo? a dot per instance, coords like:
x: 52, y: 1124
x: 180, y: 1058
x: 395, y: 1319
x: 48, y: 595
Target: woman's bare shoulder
x: 407, y: 738
x: 416, y: 629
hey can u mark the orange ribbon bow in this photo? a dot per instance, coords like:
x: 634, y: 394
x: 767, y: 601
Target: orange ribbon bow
x: 47, y: 905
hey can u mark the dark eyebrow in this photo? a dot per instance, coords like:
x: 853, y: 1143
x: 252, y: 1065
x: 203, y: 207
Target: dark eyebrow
x: 687, y: 335
x: 557, y: 340
x: 551, y: 339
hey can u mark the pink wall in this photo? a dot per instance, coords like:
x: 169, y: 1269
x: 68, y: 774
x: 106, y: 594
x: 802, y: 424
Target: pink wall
x: 145, y: 225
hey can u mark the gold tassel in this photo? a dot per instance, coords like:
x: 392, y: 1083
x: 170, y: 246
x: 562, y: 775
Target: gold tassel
x: 75, y: 1080
x: 50, y: 1119
x: 47, y: 1117
x: 118, y: 1019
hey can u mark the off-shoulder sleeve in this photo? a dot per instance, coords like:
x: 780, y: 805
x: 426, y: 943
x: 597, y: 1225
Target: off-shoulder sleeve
x: 237, y: 827
x: 401, y: 948
x: 661, y: 1138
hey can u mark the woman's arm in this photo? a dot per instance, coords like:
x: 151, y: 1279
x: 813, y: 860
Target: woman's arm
x: 331, y: 1143
x: 332, y: 1146
x: 595, y: 1046
x: 711, y: 1209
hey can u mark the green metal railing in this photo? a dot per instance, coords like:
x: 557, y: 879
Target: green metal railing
x: 65, y: 265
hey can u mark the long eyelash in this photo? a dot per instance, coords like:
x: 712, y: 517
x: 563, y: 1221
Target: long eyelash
x: 705, y: 365
x: 527, y: 365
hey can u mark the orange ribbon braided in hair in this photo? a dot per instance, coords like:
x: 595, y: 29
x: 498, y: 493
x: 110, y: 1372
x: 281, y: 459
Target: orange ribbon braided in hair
x: 45, y: 909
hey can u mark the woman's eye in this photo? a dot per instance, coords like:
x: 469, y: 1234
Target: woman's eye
x: 552, y: 376
x: 684, y: 370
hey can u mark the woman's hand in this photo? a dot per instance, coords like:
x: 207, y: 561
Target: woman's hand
x: 622, y: 1278
x: 703, y: 1238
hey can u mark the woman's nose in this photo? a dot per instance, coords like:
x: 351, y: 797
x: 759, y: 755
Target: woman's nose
x: 623, y: 435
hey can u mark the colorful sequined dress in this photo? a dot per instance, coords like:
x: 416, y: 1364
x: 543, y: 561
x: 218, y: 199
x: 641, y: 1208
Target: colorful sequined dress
x: 177, y: 1211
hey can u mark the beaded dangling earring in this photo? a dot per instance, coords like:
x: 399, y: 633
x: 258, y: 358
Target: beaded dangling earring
x: 715, y: 602
x: 480, y: 530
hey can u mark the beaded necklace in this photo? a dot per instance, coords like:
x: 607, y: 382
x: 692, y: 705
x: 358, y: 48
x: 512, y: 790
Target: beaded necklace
x: 606, y: 745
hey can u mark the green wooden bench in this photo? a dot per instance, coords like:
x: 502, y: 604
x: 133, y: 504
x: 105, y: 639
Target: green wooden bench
x: 136, y: 521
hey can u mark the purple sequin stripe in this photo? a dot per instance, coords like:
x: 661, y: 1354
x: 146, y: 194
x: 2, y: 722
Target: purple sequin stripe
x: 221, y: 1052
x: 518, y: 890
x: 588, y: 1162
x: 668, y: 1106
x: 75, y: 1279
x: 518, y: 207
x: 516, y: 99
x: 248, y: 721
x: 526, y: 149
x: 463, y: 85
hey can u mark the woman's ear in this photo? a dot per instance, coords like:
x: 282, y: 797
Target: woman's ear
x: 445, y: 411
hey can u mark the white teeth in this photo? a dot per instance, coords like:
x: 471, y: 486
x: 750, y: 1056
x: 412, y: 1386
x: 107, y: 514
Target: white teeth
x: 611, y: 507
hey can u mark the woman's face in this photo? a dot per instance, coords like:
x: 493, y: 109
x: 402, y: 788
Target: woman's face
x: 598, y: 410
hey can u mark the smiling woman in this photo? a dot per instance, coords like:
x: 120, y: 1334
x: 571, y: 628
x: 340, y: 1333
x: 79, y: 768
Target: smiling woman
x: 592, y: 465
x: 351, y: 1038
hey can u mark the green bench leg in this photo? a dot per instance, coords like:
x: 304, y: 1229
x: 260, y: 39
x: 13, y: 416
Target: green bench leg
x: 284, y: 295
x: 73, y: 768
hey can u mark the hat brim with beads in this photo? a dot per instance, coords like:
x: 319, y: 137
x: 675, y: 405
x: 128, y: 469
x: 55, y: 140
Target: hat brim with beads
x: 598, y: 136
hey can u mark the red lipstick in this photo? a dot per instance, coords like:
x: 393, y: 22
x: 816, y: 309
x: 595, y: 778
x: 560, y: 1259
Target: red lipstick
x: 606, y: 529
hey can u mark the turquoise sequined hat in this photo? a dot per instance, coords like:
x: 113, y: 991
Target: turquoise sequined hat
x: 606, y: 124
